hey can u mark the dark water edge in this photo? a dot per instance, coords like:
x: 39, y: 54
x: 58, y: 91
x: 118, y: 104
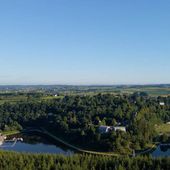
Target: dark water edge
x: 38, y: 143
x: 161, y: 151
x: 33, y: 143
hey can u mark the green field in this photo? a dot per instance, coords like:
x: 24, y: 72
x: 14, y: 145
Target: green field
x: 51, y: 97
x: 22, y: 98
x: 12, y: 132
x: 153, y: 91
x: 15, y: 96
x: 13, y: 99
x: 163, y: 129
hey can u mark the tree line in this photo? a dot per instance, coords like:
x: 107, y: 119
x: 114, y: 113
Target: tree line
x: 77, y: 119
x: 21, y: 161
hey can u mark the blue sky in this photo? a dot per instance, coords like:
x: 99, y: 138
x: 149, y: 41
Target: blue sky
x: 84, y: 41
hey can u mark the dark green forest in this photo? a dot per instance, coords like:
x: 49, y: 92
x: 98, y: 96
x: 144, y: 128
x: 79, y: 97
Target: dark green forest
x: 77, y: 118
x: 21, y: 161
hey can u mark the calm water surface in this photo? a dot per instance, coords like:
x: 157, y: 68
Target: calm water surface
x: 161, y: 151
x: 36, y: 144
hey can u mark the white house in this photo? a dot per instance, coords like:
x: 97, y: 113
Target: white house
x: 121, y: 128
x: 161, y: 103
x: 104, y: 129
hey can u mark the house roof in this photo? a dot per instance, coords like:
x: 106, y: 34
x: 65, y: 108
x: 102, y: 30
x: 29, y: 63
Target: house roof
x: 103, y: 128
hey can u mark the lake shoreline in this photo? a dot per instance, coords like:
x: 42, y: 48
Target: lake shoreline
x: 57, y: 142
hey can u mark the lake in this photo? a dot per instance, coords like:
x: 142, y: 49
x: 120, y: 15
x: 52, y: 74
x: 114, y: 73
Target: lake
x: 161, y: 151
x: 36, y: 144
x: 39, y: 144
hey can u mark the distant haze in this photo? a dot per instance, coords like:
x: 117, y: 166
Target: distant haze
x: 88, y: 42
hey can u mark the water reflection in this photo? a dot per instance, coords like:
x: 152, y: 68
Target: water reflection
x: 36, y: 144
x: 164, y: 148
x: 161, y: 151
x: 43, y: 144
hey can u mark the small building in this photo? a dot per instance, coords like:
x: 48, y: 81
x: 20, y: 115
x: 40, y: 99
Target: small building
x: 105, y: 129
x: 162, y: 104
x: 120, y: 128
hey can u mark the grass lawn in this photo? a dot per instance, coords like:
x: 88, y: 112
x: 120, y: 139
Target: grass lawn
x: 51, y: 97
x: 12, y: 132
x: 13, y: 99
x: 163, y: 128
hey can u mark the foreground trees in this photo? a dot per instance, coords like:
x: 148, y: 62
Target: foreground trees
x: 18, y: 161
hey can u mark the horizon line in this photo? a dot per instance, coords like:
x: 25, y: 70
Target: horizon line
x: 121, y: 84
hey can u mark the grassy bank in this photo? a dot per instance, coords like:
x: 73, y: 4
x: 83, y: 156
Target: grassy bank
x: 163, y: 129
x: 12, y: 132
